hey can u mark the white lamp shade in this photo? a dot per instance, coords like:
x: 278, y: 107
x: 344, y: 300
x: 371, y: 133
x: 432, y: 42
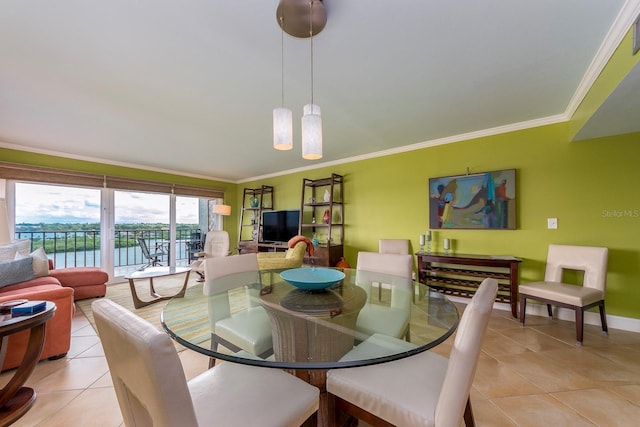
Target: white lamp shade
x: 311, y: 132
x: 222, y: 210
x: 4, y: 223
x: 282, y: 129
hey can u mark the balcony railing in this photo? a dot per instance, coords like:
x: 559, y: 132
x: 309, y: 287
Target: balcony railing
x: 82, y: 248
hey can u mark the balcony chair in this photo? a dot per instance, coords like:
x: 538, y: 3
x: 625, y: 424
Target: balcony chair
x: 292, y: 258
x: 153, y: 259
x: 422, y: 390
x: 248, y: 329
x: 392, y: 320
x: 593, y: 262
x: 216, y: 244
x: 151, y: 387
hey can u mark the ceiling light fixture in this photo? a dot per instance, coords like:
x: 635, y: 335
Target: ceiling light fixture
x: 282, y: 117
x: 311, y: 118
x: 304, y: 18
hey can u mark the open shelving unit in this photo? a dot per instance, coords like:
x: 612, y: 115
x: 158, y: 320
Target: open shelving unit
x: 250, y: 224
x: 322, y: 215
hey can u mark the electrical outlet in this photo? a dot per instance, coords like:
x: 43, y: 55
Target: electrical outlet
x: 552, y: 223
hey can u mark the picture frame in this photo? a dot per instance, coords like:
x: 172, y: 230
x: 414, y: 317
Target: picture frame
x: 485, y: 201
x: 636, y: 36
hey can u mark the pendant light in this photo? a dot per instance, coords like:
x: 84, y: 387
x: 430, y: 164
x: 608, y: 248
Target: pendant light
x: 282, y: 117
x: 311, y: 118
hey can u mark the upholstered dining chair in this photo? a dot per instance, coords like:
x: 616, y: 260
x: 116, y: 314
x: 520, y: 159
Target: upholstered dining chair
x: 392, y: 246
x: 247, y: 327
x: 152, y: 390
x: 422, y: 390
x: 216, y: 244
x: 592, y: 261
x: 392, y: 320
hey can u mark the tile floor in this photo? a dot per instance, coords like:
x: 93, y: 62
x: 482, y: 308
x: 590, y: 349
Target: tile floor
x: 532, y: 376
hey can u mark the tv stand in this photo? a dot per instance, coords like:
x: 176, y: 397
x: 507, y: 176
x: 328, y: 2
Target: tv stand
x: 272, y: 247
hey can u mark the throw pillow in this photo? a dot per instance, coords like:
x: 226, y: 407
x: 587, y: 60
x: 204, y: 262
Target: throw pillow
x: 8, y: 251
x: 16, y: 271
x: 40, y: 262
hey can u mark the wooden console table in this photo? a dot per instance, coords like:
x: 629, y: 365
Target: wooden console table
x: 460, y: 275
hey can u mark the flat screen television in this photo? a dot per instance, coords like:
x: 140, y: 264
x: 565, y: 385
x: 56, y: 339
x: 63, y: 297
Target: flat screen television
x: 279, y: 226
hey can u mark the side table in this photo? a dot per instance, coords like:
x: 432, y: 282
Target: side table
x: 15, y: 400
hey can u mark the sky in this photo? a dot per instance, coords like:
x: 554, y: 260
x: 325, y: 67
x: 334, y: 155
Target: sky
x: 36, y: 203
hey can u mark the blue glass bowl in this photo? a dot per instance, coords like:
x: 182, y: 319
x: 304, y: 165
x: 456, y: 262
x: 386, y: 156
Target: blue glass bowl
x: 312, y: 279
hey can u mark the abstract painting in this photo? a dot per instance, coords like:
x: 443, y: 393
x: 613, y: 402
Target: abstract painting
x: 476, y: 201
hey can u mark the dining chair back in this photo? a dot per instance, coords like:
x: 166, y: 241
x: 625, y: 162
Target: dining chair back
x: 592, y: 262
x: 152, y: 389
x: 392, y: 320
x: 421, y: 390
x: 237, y: 320
x: 393, y: 246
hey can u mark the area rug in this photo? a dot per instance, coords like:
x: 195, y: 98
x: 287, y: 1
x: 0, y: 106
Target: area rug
x: 121, y: 294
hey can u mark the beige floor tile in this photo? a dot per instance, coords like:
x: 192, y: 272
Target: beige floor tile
x: 494, y: 379
x: 487, y: 414
x: 95, y: 350
x: 629, y: 392
x: 103, y: 381
x: 540, y: 410
x: 533, y: 339
x: 80, y: 344
x: 193, y: 363
x: 83, y: 411
x: 45, y: 406
x: 84, y: 331
x: 496, y: 344
x: 602, y: 407
x: 545, y: 373
x: 79, y: 373
x: 588, y: 364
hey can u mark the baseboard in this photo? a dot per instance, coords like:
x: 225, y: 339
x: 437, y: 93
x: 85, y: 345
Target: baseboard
x: 590, y: 318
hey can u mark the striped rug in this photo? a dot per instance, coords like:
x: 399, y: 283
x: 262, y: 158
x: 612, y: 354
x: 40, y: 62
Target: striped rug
x: 170, y: 285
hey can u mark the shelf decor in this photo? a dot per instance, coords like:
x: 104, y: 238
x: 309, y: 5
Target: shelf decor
x: 473, y: 201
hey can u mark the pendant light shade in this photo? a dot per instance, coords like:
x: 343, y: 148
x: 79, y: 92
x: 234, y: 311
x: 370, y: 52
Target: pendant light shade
x: 282, y: 129
x: 311, y: 132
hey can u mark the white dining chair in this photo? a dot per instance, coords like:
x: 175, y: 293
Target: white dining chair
x: 423, y: 390
x: 243, y: 325
x: 152, y: 389
x: 392, y: 319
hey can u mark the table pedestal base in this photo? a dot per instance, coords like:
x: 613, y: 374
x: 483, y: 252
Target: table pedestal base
x: 17, y: 406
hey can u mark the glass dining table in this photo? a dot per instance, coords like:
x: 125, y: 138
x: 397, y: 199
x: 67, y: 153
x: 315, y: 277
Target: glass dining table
x: 347, y: 325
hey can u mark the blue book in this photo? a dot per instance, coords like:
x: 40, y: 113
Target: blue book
x: 29, y: 307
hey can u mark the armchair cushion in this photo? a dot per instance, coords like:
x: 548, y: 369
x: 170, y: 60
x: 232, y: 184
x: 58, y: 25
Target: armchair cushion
x: 292, y: 258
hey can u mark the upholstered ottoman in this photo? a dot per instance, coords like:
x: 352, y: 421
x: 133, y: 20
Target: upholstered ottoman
x: 87, y: 282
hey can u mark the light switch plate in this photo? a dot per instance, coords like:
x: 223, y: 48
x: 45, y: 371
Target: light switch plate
x: 552, y: 223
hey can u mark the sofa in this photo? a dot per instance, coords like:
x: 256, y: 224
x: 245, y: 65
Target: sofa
x: 60, y: 286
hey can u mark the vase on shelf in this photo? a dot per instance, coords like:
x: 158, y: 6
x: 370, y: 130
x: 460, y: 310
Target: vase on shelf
x: 327, y: 196
x: 254, y: 201
x: 326, y: 216
x: 314, y: 240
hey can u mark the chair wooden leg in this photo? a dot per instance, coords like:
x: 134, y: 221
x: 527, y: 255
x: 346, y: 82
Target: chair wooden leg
x: 523, y: 308
x: 579, y: 325
x: 468, y: 415
x: 549, y: 310
x: 214, y: 347
x: 603, y: 318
